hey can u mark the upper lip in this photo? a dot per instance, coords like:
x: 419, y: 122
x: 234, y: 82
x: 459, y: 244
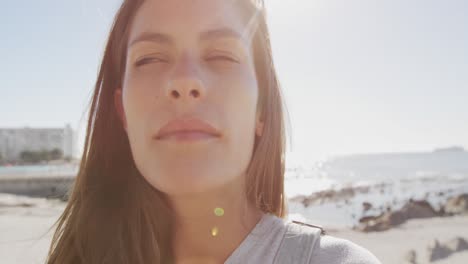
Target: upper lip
x: 190, y: 124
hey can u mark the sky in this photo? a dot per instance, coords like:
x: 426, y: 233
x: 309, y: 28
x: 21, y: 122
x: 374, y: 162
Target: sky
x: 358, y: 76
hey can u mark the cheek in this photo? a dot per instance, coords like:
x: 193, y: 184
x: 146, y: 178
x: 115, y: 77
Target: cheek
x: 145, y: 82
x: 246, y: 93
x: 139, y: 99
x: 238, y: 86
x: 141, y: 90
x: 241, y: 108
x: 233, y: 94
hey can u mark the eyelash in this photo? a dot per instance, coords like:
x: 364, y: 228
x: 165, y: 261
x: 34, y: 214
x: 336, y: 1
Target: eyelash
x: 147, y: 60
x: 220, y: 57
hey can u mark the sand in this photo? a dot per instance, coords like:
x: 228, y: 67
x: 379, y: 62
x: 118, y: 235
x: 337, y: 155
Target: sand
x: 22, y: 229
x: 391, y: 246
x: 22, y: 232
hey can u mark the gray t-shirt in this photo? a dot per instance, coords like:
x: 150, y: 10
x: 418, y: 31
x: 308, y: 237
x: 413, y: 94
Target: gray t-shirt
x: 274, y: 240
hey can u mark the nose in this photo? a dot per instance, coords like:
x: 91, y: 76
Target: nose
x: 186, y: 83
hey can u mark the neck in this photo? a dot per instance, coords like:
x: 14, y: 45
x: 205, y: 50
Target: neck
x: 205, y: 236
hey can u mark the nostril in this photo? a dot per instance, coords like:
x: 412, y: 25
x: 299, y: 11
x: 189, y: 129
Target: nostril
x: 175, y: 94
x: 195, y: 93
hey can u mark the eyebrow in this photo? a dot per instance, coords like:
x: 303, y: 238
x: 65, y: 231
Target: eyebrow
x: 220, y: 33
x: 152, y: 37
x: 207, y: 35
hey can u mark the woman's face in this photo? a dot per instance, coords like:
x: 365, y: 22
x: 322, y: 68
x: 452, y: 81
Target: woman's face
x: 189, y: 59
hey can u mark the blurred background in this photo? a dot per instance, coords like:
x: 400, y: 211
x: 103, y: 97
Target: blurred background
x: 377, y: 96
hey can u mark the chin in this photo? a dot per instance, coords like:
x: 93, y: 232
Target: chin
x: 185, y: 181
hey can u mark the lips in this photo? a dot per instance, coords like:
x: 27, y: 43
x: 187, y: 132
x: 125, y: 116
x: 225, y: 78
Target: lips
x: 187, y: 128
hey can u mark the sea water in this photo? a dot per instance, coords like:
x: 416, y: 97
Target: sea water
x: 386, y: 181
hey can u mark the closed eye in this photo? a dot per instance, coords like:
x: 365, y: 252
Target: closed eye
x: 222, y: 58
x: 148, y: 60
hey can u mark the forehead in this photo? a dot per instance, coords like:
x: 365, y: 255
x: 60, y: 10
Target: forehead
x: 185, y: 18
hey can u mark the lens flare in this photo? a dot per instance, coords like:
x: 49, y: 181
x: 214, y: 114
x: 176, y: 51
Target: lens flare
x: 214, y: 231
x: 219, y: 211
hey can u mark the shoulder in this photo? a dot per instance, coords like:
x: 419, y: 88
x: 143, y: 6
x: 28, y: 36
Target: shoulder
x: 329, y: 249
x: 306, y: 243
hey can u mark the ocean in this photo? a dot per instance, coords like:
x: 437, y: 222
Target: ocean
x: 333, y: 192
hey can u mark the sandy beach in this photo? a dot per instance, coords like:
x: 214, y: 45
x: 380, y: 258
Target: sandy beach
x: 392, y: 246
x: 23, y: 228
x: 24, y: 221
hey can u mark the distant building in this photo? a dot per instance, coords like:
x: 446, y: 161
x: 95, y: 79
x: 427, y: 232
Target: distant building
x: 13, y: 141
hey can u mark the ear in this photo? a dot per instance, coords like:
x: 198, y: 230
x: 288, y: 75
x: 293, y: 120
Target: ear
x: 259, y: 127
x: 119, y: 107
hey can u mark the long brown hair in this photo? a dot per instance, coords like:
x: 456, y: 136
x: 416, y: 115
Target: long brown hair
x: 113, y: 215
